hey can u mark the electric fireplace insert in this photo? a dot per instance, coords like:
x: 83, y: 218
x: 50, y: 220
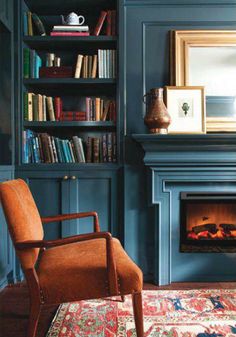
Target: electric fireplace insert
x: 207, y: 222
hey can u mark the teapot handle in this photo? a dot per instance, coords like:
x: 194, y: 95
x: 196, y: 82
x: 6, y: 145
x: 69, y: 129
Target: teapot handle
x: 63, y: 20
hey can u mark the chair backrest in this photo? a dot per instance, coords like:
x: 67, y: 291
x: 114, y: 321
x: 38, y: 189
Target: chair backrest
x: 23, y: 219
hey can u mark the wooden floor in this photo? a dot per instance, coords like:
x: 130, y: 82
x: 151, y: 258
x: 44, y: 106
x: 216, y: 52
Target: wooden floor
x: 14, y: 307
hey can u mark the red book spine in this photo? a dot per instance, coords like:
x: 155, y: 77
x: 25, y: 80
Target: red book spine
x: 69, y: 33
x: 108, y: 27
x: 100, y: 22
x: 57, y: 102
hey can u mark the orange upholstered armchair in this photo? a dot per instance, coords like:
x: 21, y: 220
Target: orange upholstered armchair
x: 79, y: 267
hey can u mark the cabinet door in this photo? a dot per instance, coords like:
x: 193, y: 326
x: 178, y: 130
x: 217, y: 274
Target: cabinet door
x: 93, y: 191
x: 6, y: 11
x: 6, y: 249
x: 51, y: 194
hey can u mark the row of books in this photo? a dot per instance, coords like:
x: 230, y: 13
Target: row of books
x: 107, y: 19
x: 104, y: 63
x: 32, y: 63
x: 43, y: 108
x: 44, y: 148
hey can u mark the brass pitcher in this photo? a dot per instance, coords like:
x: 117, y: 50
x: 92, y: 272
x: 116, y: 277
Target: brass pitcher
x: 157, y: 118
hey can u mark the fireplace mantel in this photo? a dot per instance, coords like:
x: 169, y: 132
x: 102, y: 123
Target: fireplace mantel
x: 208, y: 149
x: 186, y: 163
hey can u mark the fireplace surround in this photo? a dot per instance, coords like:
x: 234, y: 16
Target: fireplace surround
x: 190, y: 164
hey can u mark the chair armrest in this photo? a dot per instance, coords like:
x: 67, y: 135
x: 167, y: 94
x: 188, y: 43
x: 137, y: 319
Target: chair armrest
x: 72, y: 216
x: 111, y: 266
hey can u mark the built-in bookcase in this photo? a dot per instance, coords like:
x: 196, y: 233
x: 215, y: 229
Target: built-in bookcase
x: 74, y: 93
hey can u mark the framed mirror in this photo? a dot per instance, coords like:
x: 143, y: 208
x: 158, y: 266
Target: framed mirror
x: 208, y: 58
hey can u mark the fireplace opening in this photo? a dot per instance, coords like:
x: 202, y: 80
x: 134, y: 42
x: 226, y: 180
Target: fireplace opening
x: 207, y: 222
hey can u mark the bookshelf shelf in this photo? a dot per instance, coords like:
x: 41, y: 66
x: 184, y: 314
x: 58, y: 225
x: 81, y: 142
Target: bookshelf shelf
x: 61, y: 42
x: 82, y: 125
x: 71, y: 166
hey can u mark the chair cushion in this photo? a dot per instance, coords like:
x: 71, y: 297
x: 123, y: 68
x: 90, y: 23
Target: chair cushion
x: 78, y: 271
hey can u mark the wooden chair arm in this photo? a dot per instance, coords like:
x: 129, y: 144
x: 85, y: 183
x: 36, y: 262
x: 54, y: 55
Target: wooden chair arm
x: 72, y: 216
x: 111, y: 266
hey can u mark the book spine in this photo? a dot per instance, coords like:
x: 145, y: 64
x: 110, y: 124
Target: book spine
x: 40, y: 107
x: 78, y: 66
x: 35, y: 108
x: 57, y: 101
x: 114, y: 148
x: 30, y: 106
x: 26, y: 106
x: 38, y: 24
x: 38, y: 65
x: 50, y: 108
x: 113, y: 22
x: 94, y: 67
x: 100, y: 22
x: 109, y: 147
x: 89, y: 150
x: 104, y: 148
x: 73, y: 28
x: 81, y: 148
x: 25, y: 24
x: 54, y: 150
x: 97, y: 108
x: 30, y: 24
x: 26, y: 57
x: 108, y: 26
x: 96, y: 151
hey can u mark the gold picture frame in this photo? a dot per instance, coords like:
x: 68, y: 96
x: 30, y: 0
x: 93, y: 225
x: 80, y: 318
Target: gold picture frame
x: 181, y: 42
x: 186, y: 107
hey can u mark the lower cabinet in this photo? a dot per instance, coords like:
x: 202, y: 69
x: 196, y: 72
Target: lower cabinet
x: 61, y: 192
x: 6, y: 248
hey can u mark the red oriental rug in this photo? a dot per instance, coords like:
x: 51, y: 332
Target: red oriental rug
x: 189, y: 313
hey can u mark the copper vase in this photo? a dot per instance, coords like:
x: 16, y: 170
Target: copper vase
x: 157, y: 118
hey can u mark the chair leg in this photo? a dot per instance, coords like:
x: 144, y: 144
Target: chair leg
x: 33, y: 319
x: 138, y: 313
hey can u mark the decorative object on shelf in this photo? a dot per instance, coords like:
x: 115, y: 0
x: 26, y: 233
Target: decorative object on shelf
x: 186, y: 106
x: 157, y: 118
x: 73, y: 19
x: 208, y: 58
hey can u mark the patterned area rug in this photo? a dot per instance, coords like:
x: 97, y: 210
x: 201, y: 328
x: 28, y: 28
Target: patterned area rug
x: 189, y: 313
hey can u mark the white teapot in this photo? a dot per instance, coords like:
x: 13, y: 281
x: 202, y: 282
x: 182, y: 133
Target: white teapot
x: 73, y: 19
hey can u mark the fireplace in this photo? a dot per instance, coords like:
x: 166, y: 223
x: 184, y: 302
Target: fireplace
x: 207, y: 222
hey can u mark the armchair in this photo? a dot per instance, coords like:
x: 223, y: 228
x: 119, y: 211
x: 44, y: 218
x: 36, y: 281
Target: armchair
x: 75, y: 268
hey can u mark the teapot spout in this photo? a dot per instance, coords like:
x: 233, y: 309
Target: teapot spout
x: 63, y: 20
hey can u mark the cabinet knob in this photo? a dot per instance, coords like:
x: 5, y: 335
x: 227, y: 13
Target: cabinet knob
x: 65, y: 178
x: 73, y: 177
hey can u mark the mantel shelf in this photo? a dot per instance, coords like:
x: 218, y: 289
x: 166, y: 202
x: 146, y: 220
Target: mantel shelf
x: 175, y: 150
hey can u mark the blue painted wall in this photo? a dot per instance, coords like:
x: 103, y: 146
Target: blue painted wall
x: 146, y: 65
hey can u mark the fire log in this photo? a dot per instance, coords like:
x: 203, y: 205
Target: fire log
x: 210, y: 227
x: 227, y: 227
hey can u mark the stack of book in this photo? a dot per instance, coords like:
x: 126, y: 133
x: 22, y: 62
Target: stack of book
x: 99, y: 109
x: 107, y: 19
x: 32, y: 63
x: 70, y: 30
x: 43, y: 148
x: 42, y: 108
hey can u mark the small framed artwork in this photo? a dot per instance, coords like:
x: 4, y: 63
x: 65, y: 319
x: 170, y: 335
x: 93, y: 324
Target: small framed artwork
x: 186, y: 107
